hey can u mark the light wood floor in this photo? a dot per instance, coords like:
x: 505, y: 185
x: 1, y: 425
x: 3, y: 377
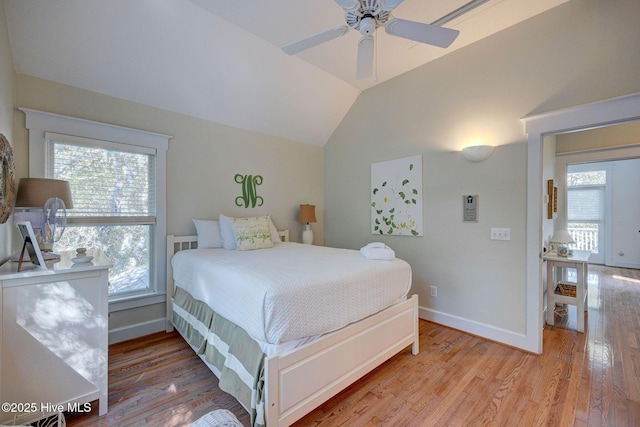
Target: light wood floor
x: 590, y: 379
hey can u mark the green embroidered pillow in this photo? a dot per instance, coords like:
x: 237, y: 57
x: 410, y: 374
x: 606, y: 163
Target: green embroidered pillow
x: 252, y: 233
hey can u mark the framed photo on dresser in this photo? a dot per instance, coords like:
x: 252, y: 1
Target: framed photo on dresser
x: 29, y: 245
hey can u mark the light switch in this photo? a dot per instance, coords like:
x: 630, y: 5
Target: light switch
x: 500, y: 234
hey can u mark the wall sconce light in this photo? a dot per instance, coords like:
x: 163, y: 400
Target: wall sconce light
x: 478, y: 153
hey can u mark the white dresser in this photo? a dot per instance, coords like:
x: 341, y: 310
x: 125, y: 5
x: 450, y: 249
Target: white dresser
x: 54, y: 345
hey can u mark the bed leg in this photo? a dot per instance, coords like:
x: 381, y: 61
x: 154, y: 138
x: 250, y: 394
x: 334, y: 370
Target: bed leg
x: 169, y: 313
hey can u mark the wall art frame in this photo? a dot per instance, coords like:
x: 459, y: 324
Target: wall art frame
x: 396, y: 197
x: 552, y: 196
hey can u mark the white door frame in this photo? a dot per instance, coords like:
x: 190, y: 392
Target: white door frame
x: 537, y: 126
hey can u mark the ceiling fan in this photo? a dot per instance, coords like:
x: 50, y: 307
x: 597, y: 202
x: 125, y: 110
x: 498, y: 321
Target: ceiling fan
x: 366, y: 16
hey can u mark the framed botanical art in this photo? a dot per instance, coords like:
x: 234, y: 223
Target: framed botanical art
x: 396, y: 197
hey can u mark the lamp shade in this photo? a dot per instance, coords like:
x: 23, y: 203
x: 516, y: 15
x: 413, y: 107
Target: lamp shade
x: 477, y: 153
x: 34, y: 192
x: 562, y: 237
x: 307, y: 213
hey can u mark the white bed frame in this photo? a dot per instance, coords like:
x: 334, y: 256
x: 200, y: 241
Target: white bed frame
x: 300, y: 380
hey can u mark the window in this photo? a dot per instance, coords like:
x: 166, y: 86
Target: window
x: 585, y: 207
x: 118, y: 184
x: 113, y: 188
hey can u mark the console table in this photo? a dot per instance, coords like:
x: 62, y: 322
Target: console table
x: 556, y: 266
x: 54, y: 346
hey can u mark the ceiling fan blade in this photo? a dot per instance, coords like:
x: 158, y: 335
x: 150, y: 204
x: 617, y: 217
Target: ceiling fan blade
x: 364, y: 67
x: 316, y: 39
x: 348, y: 5
x: 423, y: 33
x: 389, y: 5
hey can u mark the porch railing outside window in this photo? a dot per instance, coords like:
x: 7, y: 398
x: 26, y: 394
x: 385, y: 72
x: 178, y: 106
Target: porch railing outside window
x: 586, y: 238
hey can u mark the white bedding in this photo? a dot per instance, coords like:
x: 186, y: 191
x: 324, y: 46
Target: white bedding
x: 292, y: 290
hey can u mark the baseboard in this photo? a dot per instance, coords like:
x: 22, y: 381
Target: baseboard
x: 137, y: 330
x: 624, y: 264
x: 492, y: 333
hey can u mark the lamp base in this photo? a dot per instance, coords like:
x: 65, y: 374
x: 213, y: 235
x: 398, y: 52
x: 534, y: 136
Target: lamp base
x: 307, y: 235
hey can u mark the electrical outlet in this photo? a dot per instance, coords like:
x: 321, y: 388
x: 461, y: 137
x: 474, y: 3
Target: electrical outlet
x: 500, y: 234
x: 434, y: 291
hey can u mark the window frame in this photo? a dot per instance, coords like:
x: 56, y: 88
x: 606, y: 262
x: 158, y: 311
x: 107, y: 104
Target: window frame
x: 39, y: 123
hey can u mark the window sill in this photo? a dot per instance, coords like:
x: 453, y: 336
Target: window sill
x: 135, y: 301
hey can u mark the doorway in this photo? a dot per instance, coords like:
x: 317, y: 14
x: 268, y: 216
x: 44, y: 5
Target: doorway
x: 537, y: 126
x: 588, y: 185
x: 602, y: 210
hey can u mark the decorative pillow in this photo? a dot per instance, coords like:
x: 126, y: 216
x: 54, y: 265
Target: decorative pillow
x: 209, y: 235
x: 226, y: 230
x: 252, y: 233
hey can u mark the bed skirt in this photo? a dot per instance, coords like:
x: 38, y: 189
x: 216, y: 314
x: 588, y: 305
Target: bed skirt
x: 238, y: 359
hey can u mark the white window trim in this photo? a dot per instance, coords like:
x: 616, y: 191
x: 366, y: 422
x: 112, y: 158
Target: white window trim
x: 40, y: 122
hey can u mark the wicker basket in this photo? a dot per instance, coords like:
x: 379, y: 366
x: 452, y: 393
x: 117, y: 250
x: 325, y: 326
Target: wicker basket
x: 566, y: 289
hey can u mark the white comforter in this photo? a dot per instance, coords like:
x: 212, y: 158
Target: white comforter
x: 292, y: 290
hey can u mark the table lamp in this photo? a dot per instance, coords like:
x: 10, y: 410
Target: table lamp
x: 562, y: 239
x: 49, y: 196
x: 307, y: 215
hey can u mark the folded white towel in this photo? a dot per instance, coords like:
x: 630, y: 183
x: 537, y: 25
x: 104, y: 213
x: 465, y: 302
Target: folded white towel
x: 376, y: 245
x: 382, y: 253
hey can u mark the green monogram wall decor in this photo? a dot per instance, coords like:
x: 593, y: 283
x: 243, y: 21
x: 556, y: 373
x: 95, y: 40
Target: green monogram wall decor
x: 249, y: 190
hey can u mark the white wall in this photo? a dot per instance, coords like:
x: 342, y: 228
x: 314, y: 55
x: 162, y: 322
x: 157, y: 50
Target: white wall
x: 620, y: 135
x: 548, y: 172
x: 625, y: 214
x: 579, y: 52
x: 6, y: 115
x: 548, y: 224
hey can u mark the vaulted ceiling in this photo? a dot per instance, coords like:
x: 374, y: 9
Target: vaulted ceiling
x: 220, y: 60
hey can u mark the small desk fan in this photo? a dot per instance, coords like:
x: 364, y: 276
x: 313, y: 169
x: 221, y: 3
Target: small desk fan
x: 54, y: 222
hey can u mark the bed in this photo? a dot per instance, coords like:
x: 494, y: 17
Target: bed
x: 289, y: 369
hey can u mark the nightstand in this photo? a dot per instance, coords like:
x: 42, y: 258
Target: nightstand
x: 556, y: 272
x: 54, y: 346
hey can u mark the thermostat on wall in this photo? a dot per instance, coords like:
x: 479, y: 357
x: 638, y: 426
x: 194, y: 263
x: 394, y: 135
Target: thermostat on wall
x: 470, y: 208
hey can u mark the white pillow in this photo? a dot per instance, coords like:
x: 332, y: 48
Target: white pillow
x: 208, y: 234
x: 226, y: 230
x: 275, y: 237
x: 252, y: 233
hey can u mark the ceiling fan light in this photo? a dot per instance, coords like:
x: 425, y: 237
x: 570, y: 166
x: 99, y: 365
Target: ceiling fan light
x: 367, y: 26
x: 389, y: 5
